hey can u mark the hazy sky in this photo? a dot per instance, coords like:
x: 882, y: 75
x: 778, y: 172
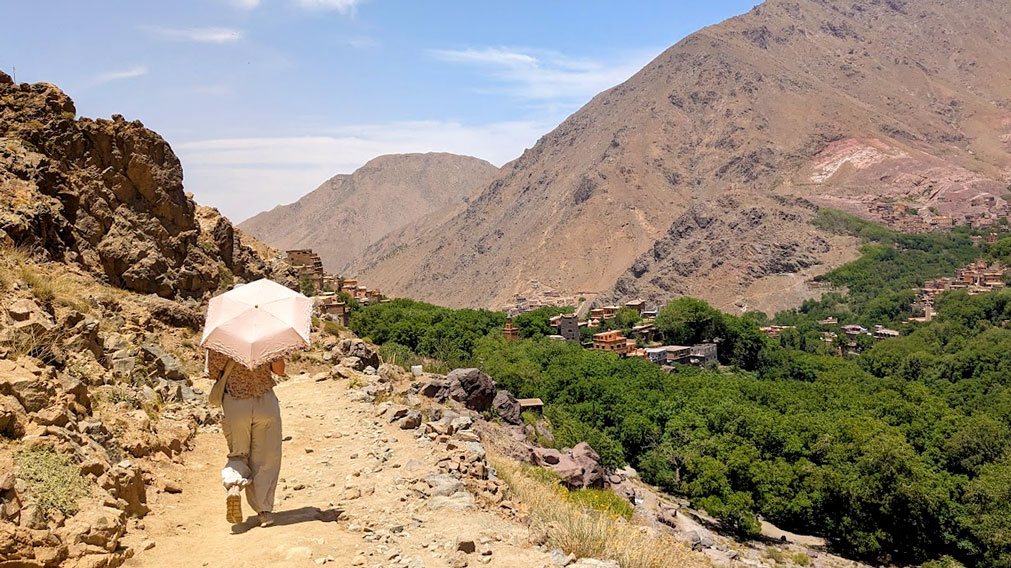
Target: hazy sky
x: 264, y: 99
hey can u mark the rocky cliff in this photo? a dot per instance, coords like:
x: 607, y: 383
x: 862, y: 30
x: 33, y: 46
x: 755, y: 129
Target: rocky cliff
x: 106, y: 195
x: 347, y: 213
x: 888, y: 109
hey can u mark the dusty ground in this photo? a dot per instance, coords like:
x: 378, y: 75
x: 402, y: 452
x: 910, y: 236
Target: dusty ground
x: 334, y: 443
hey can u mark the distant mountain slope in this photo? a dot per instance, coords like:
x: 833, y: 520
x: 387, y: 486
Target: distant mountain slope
x: 340, y: 218
x: 889, y: 109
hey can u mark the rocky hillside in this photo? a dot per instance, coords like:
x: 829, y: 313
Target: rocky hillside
x: 767, y: 248
x: 346, y: 214
x: 107, y: 195
x: 893, y: 110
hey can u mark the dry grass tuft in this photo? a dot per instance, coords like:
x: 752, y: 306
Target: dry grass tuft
x: 55, y: 289
x: 588, y: 533
x: 47, y: 286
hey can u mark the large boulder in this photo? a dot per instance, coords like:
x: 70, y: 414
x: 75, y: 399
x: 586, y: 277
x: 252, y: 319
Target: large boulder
x: 581, y: 468
x: 354, y: 347
x: 437, y: 388
x: 12, y: 417
x: 101, y: 527
x: 126, y: 481
x: 27, y: 380
x: 165, y: 364
x: 472, y: 387
x: 507, y: 407
x: 28, y: 319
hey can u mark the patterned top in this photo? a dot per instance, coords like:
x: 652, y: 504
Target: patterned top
x: 242, y: 383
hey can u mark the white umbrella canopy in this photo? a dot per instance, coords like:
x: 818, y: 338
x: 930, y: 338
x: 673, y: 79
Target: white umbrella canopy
x: 258, y: 322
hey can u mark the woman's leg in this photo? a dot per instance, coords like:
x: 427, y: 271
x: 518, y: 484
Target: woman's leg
x: 237, y: 424
x: 264, y: 453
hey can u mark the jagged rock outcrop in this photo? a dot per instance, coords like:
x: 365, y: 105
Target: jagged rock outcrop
x: 366, y: 355
x: 506, y: 407
x: 471, y: 387
x: 104, y: 194
x: 737, y: 240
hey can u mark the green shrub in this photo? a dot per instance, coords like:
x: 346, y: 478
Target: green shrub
x: 118, y: 394
x: 52, y: 479
x: 398, y: 354
x: 530, y: 417
x: 544, y: 475
x: 333, y: 328
x: 226, y: 278
x: 602, y: 500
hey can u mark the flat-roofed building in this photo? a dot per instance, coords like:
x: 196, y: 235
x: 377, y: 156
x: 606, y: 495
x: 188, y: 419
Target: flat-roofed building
x: 531, y: 404
x: 612, y: 342
x: 331, y: 307
x: 637, y: 305
x: 881, y: 332
x: 702, y: 354
x: 668, y: 354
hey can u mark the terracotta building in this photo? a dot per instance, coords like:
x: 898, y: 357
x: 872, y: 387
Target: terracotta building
x: 612, y: 341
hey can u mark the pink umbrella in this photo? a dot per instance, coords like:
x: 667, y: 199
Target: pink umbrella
x: 257, y: 322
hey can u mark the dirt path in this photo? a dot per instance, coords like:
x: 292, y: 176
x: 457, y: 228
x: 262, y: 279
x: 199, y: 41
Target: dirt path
x: 337, y: 449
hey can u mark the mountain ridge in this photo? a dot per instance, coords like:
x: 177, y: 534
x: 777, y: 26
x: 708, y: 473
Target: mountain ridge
x: 348, y: 212
x: 747, y: 106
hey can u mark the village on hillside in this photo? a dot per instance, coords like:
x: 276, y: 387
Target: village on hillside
x: 641, y: 344
x: 330, y: 291
x: 333, y: 292
x: 977, y: 277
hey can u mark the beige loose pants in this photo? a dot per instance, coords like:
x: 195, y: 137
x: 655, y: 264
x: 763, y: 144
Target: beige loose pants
x: 252, y: 427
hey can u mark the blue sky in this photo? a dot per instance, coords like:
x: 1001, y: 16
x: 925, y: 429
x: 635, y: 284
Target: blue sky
x: 264, y: 99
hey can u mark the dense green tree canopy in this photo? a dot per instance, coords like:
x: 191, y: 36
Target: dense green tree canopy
x: 899, y: 454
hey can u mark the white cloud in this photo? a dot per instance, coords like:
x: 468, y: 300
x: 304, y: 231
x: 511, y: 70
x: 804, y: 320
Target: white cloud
x: 244, y: 4
x: 342, y: 6
x: 136, y: 71
x: 243, y: 176
x: 548, y: 75
x: 197, y: 35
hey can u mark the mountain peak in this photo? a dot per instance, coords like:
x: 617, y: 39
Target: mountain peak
x: 349, y: 212
x: 855, y: 105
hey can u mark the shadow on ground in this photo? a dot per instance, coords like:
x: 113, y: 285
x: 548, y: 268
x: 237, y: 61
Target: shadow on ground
x: 294, y: 516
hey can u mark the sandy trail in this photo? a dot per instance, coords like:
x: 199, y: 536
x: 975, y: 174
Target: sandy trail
x: 335, y: 443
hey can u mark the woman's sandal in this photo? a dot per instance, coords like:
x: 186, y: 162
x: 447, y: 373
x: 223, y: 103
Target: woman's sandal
x: 233, y: 505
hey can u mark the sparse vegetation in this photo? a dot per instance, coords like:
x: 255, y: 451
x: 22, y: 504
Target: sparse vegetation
x: 55, y: 483
x: 589, y: 533
x: 602, y: 500
x: 306, y: 286
x: 226, y: 278
x: 333, y: 328
x: 785, y: 557
x: 118, y: 394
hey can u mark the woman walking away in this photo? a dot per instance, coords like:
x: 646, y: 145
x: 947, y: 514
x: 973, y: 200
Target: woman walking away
x: 252, y: 428
x: 247, y: 332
